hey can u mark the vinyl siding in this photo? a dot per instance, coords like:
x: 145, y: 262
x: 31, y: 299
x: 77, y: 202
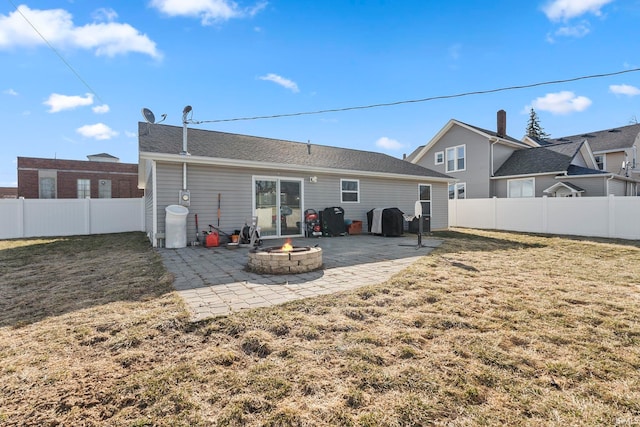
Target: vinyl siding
x: 235, y: 188
x: 617, y: 187
x: 477, y: 160
x: 593, y: 186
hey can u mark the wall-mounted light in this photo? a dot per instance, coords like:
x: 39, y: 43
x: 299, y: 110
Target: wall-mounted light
x: 313, y: 179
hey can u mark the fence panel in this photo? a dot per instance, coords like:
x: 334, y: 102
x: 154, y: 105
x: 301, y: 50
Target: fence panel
x: 613, y: 217
x: 69, y: 217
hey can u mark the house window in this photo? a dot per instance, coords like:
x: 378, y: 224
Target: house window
x: 456, y: 158
x: 350, y: 191
x: 424, y: 195
x: 458, y: 190
x: 104, y: 189
x: 439, y: 157
x: 47, y: 188
x: 600, y: 161
x: 84, y: 188
x: 521, y: 188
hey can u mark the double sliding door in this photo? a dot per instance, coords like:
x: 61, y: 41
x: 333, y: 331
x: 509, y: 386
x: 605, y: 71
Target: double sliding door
x: 277, y: 203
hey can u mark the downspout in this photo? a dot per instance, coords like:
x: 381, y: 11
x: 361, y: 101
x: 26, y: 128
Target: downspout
x: 184, y: 151
x: 607, y: 185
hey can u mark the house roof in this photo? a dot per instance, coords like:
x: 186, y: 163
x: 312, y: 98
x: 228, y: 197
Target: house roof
x: 421, y: 151
x: 568, y: 185
x: 495, y: 134
x: 166, y: 139
x: 546, y: 159
x: 606, y: 140
x: 414, y: 154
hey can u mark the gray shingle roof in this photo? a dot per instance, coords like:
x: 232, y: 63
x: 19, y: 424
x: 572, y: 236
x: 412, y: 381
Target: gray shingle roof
x: 606, y: 140
x: 550, y: 158
x: 493, y: 133
x: 414, y: 154
x: 156, y: 138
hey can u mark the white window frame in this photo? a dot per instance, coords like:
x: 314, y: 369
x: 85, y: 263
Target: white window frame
x: 356, y: 192
x: 603, y: 162
x: 430, y: 199
x: 103, y: 185
x: 456, y: 190
x: 512, y: 182
x: 83, y: 188
x: 50, y: 176
x: 438, y: 158
x: 456, y: 159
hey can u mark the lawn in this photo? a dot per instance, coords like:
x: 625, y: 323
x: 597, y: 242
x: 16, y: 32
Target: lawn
x: 489, y: 329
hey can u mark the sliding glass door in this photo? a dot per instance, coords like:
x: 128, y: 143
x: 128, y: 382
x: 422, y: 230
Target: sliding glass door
x: 278, y: 205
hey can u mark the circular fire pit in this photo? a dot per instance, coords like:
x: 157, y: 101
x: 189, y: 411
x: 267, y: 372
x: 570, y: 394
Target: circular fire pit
x: 292, y: 260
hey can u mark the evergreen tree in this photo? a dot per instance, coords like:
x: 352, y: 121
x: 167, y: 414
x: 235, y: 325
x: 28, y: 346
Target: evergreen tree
x: 534, y: 130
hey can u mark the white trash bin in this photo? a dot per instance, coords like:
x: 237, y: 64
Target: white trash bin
x: 176, y: 226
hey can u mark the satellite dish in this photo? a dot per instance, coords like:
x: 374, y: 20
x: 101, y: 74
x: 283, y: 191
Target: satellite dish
x: 417, y: 209
x: 148, y: 115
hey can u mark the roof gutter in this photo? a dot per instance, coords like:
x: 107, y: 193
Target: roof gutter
x: 526, y: 175
x: 234, y: 163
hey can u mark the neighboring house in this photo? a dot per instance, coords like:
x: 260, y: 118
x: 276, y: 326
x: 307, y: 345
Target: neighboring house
x: 470, y: 154
x: 492, y: 164
x: 244, y: 176
x: 615, y: 150
x: 103, y: 176
x: 558, y: 170
x: 8, y: 192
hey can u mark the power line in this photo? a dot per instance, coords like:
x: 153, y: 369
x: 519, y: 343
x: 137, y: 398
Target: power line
x: 432, y: 98
x: 56, y: 52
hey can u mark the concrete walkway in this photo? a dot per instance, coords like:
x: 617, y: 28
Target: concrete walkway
x: 214, y: 282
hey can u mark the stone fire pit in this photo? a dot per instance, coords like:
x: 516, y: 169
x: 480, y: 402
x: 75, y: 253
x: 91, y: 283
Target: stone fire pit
x: 276, y: 260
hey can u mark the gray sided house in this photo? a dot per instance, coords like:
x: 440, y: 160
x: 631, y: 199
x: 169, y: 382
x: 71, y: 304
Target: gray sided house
x: 470, y: 154
x: 274, y: 180
x: 558, y: 170
x: 493, y: 164
x: 615, y: 150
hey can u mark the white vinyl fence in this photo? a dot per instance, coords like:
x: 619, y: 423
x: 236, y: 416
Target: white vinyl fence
x: 68, y: 217
x: 613, y: 217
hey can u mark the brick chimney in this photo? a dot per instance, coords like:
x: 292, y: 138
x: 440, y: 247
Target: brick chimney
x: 501, y: 129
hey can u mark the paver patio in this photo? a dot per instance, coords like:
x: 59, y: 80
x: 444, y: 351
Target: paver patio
x: 214, y: 281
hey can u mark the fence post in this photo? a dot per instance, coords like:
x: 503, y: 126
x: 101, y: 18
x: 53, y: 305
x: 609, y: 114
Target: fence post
x: 21, y: 217
x: 494, y: 213
x: 87, y: 215
x: 611, y: 214
x: 545, y: 214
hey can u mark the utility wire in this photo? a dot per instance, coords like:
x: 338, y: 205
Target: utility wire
x: 432, y: 98
x: 57, y: 53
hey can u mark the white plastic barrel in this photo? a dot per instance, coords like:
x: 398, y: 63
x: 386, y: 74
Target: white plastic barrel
x: 176, y: 226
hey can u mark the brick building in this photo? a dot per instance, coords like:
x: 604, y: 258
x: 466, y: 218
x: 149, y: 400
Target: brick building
x: 102, y: 176
x: 8, y: 193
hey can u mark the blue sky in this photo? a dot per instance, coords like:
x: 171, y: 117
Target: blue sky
x: 75, y: 74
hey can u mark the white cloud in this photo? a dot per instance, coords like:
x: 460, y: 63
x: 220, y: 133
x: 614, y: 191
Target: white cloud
x: 388, y: 143
x: 454, y: 51
x: 57, y: 102
x: 130, y: 134
x: 57, y: 27
x: 209, y: 11
x: 104, y: 14
x: 564, y: 102
x: 10, y: 92
x: 101, y: 109
x: 559, y: 10
x: 576, y: 31
x: 98, y: 131
x: 284, y: 82
x: 624, y: 90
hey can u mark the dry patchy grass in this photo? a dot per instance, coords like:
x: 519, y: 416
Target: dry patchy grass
x: 490, y: 329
